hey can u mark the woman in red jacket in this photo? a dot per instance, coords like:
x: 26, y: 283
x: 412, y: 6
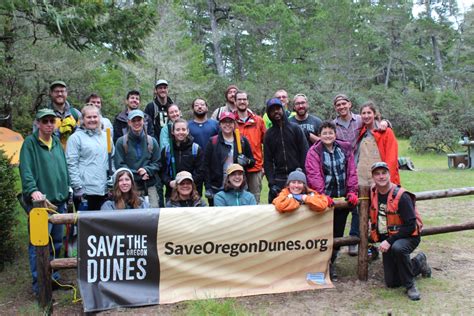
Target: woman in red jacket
x: 374, y: 145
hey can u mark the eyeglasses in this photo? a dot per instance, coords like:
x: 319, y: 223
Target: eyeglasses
x: 50, y: 121
x: 300, y: 103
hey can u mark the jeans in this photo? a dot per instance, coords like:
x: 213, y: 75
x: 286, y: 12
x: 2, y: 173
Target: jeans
x: 56, y: 232
x: 398, y: 268
x: 355, y: 222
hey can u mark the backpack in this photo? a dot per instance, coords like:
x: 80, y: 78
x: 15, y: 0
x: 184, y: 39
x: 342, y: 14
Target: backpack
x: 149, y: 142
x: 170, y: 158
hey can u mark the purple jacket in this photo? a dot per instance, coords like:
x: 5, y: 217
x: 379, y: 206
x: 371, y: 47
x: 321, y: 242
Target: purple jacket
x: 314, y: 167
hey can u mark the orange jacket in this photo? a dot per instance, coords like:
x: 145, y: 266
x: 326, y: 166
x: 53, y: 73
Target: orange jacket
x: 254, y: 130
x: 285, y: 202
x: 388, y: 149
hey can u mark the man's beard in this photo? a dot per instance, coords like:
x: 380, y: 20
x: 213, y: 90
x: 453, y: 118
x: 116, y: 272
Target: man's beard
x: 199, y: 115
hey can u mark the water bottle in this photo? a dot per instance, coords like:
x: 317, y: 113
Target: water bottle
x: 84, y: 205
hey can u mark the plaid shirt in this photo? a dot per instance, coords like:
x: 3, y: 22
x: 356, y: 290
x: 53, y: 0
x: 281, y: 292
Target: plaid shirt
x: 351, y: 132
x: 334, y: 169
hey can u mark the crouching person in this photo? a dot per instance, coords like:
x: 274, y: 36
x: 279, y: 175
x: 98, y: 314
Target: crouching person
x: 297, y: 193
x: 395, y: 223
x: 234, y: 193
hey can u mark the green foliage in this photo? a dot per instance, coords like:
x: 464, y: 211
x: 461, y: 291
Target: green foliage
x: 85, y: 24
x: 215, y: 308
x: 8, y: 211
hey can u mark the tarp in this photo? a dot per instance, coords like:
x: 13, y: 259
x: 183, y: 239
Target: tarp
x: 159, y: 256
x: 11, y: 142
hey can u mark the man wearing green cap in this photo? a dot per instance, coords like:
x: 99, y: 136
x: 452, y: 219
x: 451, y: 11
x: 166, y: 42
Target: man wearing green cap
x: 44, y: 175
x: 67, y: 117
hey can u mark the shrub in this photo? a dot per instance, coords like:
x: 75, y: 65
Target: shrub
x: 8, y: 202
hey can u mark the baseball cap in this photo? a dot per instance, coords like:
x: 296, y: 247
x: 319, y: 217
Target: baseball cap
x: 57, y: 83
x: 378, y: 165
x: 135, y: 113
x: 340, y: 97
x: 44, y: 112
x: 161, y: 82
x: 183, y: 175
x: 234, y: 167
x: 274, y: 101
x: 226, y: 115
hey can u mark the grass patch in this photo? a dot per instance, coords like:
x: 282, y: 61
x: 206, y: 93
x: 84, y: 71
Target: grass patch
x: 215, y: 307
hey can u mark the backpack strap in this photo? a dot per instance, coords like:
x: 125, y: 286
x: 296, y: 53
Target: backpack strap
x: 214, y: 139
x: 125, y: 143
x: 149, y: 141
x: 195, y: 149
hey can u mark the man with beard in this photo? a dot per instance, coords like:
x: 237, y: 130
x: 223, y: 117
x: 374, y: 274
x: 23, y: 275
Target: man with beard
x: 121, y: 120
x: 253, y: 128
x: 157, y: 108
x: 281, y: 95
x: 309, y: 123
x: 229, y: 102
x: 67, y: 117
x: 200, y: 127
x: 285, y: 148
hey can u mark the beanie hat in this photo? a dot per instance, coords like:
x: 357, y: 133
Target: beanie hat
x: 297, y: 175
x: 114, y: 177
x: 232, y: 86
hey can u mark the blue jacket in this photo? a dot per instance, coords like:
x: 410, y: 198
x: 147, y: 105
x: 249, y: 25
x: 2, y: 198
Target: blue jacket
x: 234, y: 198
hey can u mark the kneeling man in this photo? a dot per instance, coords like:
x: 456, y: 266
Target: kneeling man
x: 393, y: 223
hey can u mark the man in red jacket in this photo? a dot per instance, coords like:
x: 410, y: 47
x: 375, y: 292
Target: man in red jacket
x: 253, y: 128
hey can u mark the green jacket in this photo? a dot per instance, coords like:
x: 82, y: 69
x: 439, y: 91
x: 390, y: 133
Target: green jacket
x: 141, y: 152
x: 43, y: 170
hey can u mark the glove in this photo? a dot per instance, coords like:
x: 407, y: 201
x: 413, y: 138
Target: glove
x: 352, y: 199
x: 209, y: 194
x: 330, y: 201
x: 298, y: 197
x: 78, y: 193
x: 275, y: 190
x: 243, y: 160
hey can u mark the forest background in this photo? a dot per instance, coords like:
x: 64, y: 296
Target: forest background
x: 419, y: 69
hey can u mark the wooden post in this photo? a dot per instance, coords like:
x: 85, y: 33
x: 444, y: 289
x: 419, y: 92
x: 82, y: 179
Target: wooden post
x: 43, y: 269
x: 363, y: 260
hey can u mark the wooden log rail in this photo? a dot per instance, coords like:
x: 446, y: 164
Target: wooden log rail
x: 362, y: 269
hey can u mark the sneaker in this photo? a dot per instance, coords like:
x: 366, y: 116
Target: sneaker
x: 424, y: 267
x: 413, y: 293
x: 353, y: 250
x: 332, y: 272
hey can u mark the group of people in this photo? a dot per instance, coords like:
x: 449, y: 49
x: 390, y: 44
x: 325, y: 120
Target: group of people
x: 155, y: 158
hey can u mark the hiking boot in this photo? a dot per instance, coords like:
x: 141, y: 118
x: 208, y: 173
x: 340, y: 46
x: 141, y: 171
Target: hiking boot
x: 413, y: 293
x: 424, y: 267
x: 353, y: 250
x: 332, y: 272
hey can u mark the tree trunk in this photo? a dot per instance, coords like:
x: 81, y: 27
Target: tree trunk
x: 216, y: 39
x: 387, y: 75
x: 8, y: 77
x: 240, y: 59
x: 437, y: 55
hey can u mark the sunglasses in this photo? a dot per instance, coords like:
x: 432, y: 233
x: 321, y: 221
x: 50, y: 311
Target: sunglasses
x: 46, y: 121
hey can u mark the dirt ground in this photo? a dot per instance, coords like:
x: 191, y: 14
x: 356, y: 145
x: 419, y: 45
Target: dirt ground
x: 450, y: 291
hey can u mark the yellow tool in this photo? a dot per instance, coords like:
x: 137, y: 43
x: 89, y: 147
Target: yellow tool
x: 39, y: 227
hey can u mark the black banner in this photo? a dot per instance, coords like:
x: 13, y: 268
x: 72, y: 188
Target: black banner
x: 118, y: 255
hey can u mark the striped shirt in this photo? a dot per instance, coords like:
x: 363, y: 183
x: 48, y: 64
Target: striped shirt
x: 334, y: 169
